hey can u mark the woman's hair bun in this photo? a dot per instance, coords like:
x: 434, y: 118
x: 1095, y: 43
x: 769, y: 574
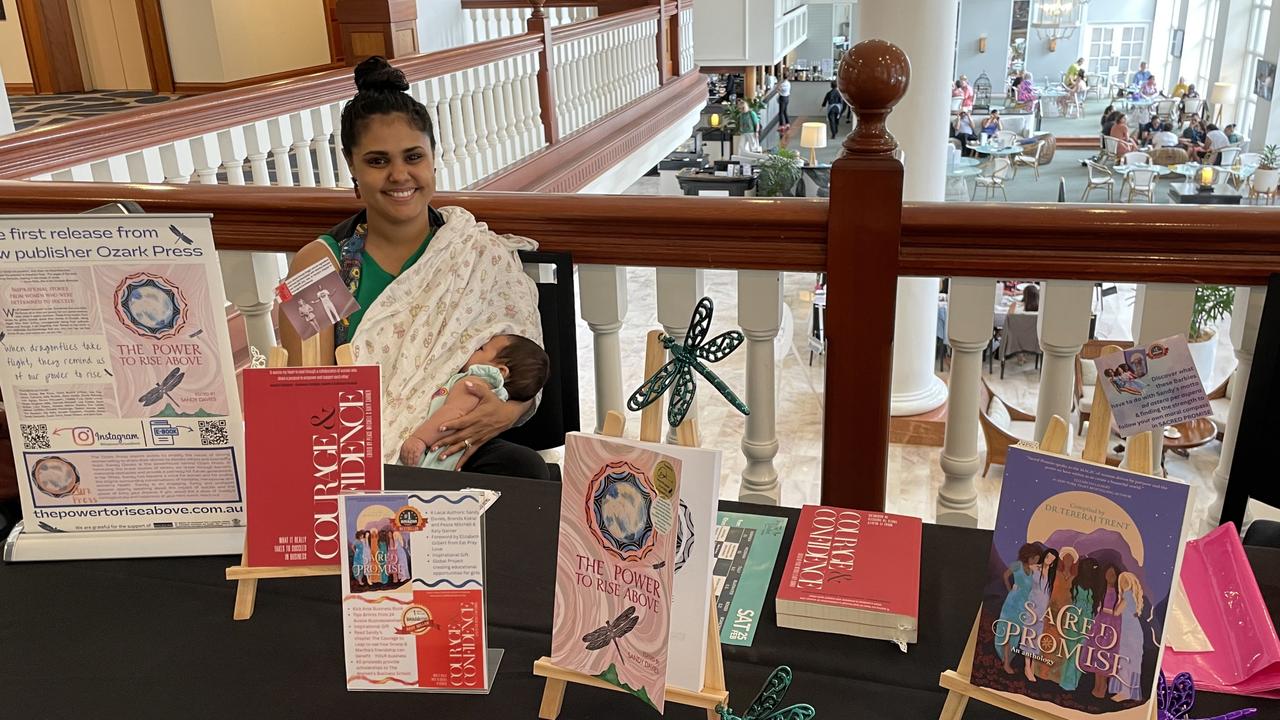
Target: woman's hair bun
x: 375, y: 74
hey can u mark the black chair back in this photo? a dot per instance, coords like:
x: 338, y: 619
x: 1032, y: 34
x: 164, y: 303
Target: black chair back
x: 1253, y: 465
x: 558, y: 411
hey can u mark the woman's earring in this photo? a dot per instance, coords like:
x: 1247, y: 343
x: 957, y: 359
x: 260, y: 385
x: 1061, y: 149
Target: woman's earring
x: 356, y: 186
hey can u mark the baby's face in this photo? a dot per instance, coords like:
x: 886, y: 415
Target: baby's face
x: 488, y: 352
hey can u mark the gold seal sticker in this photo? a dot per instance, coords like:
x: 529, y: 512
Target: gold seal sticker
x: 409, y: 519
x: 416, y: 620
x: 664, y: 479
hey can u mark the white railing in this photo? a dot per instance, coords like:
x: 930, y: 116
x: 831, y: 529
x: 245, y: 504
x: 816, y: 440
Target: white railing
x: 686, y: 40
x: 600, y: 73
x: 782, y: 7
x: 791, y: 29
x: 492, y: 23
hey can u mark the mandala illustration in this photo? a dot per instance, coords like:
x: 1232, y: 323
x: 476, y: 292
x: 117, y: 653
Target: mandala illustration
x: 55, y: 477
x: 684, y: 537
x: 619, y: 499
x: 151, y: 306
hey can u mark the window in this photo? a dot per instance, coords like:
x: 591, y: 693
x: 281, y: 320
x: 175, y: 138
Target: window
x: 1210, y: 26
x: 1116, y: 49
x: 1259, y: 19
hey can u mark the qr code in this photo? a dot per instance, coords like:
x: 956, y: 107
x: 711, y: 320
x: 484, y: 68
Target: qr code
x: 213, y: 432
x: 35, y: 437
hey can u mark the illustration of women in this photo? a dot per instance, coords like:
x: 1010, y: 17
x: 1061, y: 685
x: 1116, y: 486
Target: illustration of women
x: 1018, y: 580
x: 1102, y: 636
x: 375, y: 560
x: 1051, y: 640
x: 1038, y: 599
x: 402, y: 556
x: 1089, y: 584
x: 1127, y: 683
x: 383, y: 538
x: 358, y: 555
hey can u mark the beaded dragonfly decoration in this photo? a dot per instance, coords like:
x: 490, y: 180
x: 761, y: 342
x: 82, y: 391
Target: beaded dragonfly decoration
x: 765, y: 706
x: 1174, y: 701
x: 686, y: 358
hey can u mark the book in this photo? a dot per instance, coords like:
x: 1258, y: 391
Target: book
x: 615, y: 563
x: 1078, y: 582
x: 311, y: 434
x: 853, y: 566
x: 413, y: 592
x: 746, y: 549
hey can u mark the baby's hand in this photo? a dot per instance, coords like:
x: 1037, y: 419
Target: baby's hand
x: 411, y: 451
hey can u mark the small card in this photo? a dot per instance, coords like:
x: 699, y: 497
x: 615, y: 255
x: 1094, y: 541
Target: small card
x: 1152, y: 386
x: 315, y: 298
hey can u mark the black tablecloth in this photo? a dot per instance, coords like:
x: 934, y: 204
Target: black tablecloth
x: 155, y: 638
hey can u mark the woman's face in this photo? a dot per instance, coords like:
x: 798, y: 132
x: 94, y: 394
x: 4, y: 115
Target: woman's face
x: 394, y: 169
x: 1111, y: 576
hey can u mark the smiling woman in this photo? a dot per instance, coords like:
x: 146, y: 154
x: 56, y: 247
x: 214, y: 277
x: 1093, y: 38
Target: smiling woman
x: 433, y: 285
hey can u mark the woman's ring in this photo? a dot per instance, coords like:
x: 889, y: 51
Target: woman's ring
x: 467, y: 442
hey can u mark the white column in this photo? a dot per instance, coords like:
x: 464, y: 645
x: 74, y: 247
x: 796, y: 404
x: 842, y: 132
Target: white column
x: 207, y: 156
x: 1246, y: 314
x: 926, y: 31
x: 760, y: 315
x: 257, y: 139
x: 113, y: 169
x: 968, y: 331
x: 250, y: 279
x: 603, y: 289
x: 175, y: 158
x: 1161, y: 310
x: 1063, y: 328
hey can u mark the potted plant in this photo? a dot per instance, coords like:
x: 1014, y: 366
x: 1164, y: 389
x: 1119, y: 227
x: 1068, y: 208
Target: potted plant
x: 1268, y: 172
x: 778, y: 174
x: 1212, y: 303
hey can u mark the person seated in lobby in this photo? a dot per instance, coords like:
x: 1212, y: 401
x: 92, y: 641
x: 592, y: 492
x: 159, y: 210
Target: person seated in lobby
x: 1148, y: 129
x: 1180, y: 89
x: 1214, y: 140
x: 1193, y: 138
x: 1191, y: 92
x: 1164, y: 138
x: 1120, y: 131
x: 399, y: 255
x: 1233, y: 137
x: 1027, y: 90
x: 1107, y: 118
x: 963, y: 130
x: 1074, y: 70
x: 1140, y: 77
x: 991, y: 124
x: 1030, y: 299
x: 1149, y: 90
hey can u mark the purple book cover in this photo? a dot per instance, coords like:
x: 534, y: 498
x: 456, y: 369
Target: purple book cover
x: 614, y: 569
x: 1078, y: 584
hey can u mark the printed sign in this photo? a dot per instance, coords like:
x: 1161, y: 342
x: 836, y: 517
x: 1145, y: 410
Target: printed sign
x: 1152, y: 386
x: 117, y: 375
x: 315, y: 298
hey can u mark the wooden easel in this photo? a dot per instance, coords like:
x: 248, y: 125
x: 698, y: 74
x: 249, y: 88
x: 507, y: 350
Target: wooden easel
x: 713, y: 691
x: 246, y: 577
x: 1138, y: 451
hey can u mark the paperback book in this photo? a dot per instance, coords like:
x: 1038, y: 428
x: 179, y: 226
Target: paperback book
x: 1078, y: 583
x: 615, y: 564
x: 311, y: 434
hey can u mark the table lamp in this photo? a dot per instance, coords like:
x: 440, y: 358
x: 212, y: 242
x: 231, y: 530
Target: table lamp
x: 1206, y: 177
x: 1221, y: 94
x: 715, y: 120
x: 813, y: 135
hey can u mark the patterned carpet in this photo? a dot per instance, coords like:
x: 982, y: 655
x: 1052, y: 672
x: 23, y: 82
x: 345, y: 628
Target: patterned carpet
x: 31, y: 111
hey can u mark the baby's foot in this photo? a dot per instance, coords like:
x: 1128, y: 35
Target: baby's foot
x: 412, y: 450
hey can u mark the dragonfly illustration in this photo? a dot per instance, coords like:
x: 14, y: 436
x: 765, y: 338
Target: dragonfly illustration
x: 765, y: 706
x: 688, y: 356
x: 179, y: 235
x: 610, y: 632
x: 1176, y: 700
x: 163, y: 388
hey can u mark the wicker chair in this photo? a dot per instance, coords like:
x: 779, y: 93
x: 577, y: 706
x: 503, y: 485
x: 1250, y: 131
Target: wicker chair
x: 1003, y: 425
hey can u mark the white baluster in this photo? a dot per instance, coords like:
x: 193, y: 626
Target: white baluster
x: 342, y: 170
x: 533, y: 107
x: 175, y: 158
x: 475, y: 27
x: 509, y: 130
x: 500, y: 114
x: 207, y: 156
x: 112, y: 170
x: 603, y: 289
x: 760, y: 315
x: 679, y: 289
x: 1063, y: 328
x: 969, y: 332
x: 322, y: 131
x: 1161, y: 310
x: 76, y: 173
x: 525, y: 105
x: 595, y: 77
x: 257, y: 141
x: 560, y: 53
x: 303, y: 132
x: 250, y: 279
x: 475, y: 163
x: 145, y: 166
x: 581, y: 87
x: 447, y: 112
x: 42, y: 177
x: 234, y: 151
x: 280, y: 131
x: 426, y: 92
x: 481, y: 113
x: 1246, y: 315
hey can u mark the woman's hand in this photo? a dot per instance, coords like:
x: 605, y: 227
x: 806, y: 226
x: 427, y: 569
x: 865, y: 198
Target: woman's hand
x: 489, y: 419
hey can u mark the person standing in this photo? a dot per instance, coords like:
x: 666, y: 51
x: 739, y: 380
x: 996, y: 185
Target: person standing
x: 1076, y: 68
x: 1140, y: 77
x: 834, y: 103
x: 784, y: 99
x: 967, y: 103
x: 748, y: 127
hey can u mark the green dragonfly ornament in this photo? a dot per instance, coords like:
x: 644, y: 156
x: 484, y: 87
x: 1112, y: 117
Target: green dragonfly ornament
x: 765, y: 706
x: 688, y: 356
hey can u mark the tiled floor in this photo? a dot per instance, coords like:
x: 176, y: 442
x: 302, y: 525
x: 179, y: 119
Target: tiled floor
x: 31, y: 111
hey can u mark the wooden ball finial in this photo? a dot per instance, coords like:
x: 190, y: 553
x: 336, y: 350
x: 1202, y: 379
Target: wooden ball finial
x: 873, y: 77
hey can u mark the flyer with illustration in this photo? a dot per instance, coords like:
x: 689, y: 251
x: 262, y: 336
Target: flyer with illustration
x: 413, y: 602
x: 1151, y: 386
x: 117, y: 373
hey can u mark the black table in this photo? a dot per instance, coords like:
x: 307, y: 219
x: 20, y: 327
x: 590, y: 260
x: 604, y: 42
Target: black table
x: 155, y: 638
x: 1185, y: 193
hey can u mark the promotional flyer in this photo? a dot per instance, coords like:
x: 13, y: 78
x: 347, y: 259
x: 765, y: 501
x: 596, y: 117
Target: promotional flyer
x: 117, y: 373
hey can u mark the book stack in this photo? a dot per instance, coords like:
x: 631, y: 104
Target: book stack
x: 852, y: 572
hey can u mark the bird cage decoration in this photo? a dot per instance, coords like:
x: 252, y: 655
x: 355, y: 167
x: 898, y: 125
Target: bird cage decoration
x: 982, y: 92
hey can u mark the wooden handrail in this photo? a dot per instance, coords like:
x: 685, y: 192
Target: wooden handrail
x: 522, y: 4
x: 604, y: 23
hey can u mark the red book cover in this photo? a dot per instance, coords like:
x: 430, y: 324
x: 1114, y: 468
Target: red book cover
x: 854, y: 562
x: 311, y: 434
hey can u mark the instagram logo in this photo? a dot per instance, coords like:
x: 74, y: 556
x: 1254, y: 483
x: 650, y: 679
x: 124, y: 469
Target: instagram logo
x: 82, y: 436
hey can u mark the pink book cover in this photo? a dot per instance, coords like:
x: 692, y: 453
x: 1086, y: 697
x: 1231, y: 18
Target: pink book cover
x: 614, y: 570
x: 854, y: 559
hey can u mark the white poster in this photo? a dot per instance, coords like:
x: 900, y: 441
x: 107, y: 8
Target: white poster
x: 117, y: 375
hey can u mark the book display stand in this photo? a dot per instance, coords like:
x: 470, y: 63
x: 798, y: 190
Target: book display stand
x: 245, y: 576
x: 713, y: 693
x: 960, y: 689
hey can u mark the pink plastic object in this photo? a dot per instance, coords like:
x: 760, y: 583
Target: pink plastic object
x: 1224, y: 596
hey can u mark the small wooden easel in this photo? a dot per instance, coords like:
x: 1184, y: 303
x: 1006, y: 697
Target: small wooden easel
x: 245, y: 576
x: 713, y: 693
x: 960, y: 689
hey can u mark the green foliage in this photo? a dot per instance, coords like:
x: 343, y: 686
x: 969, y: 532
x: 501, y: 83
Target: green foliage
x: 1270, y: 157
x: 778, y: 175
x: 1212, y: 303
x: 732, y: 114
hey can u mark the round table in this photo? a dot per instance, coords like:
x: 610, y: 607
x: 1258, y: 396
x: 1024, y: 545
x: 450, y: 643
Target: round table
x: 963, y: 173
x: 966, y: 162
x: 1161, y: 170
x: 995, y: 150
x: 1190, y: 434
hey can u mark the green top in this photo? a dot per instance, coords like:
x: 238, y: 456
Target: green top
x: 373, y: 279
x: 748, y: 122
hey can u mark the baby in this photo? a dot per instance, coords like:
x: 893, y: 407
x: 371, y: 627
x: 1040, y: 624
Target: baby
x: 514, y: 366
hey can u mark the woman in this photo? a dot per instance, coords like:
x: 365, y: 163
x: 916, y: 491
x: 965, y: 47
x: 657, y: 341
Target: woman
x: 1120, y: 131
x: 1086, y: 599
x: 1027, y: 89
x: 748, y: 127
x: 384, y: 558
x: 1018, y: 581
x: 1193, y: 138
x: 967, y: 103
x: 402, y: 556
x: 963, y: 130
x: 1038, y: 605
x: 358, y: 557
x: 1052, y: 641
x: 1127, y: 682
x: 433, y: 284
x: 1103, y: 636
x: 1030, y: 298
x: 991, y: 124
x: 376, y: 561
x: 1149, y: 90
x: 834, y: 103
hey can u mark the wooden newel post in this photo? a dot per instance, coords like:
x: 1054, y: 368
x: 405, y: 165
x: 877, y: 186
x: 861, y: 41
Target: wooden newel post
x: 864, y: 230
x: 539, y: 24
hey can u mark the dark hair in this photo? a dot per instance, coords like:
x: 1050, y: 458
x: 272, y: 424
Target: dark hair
x: 833, y: 84
x: 959, y: 84
x: 1030, y: 552
x: 1031, y: 298
x: 528, y: 367
x: 381, y: 90
x: 1229, y: 126
x: 1053, y: 568
x: 1089, y: 577
x: 1210, y: 127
